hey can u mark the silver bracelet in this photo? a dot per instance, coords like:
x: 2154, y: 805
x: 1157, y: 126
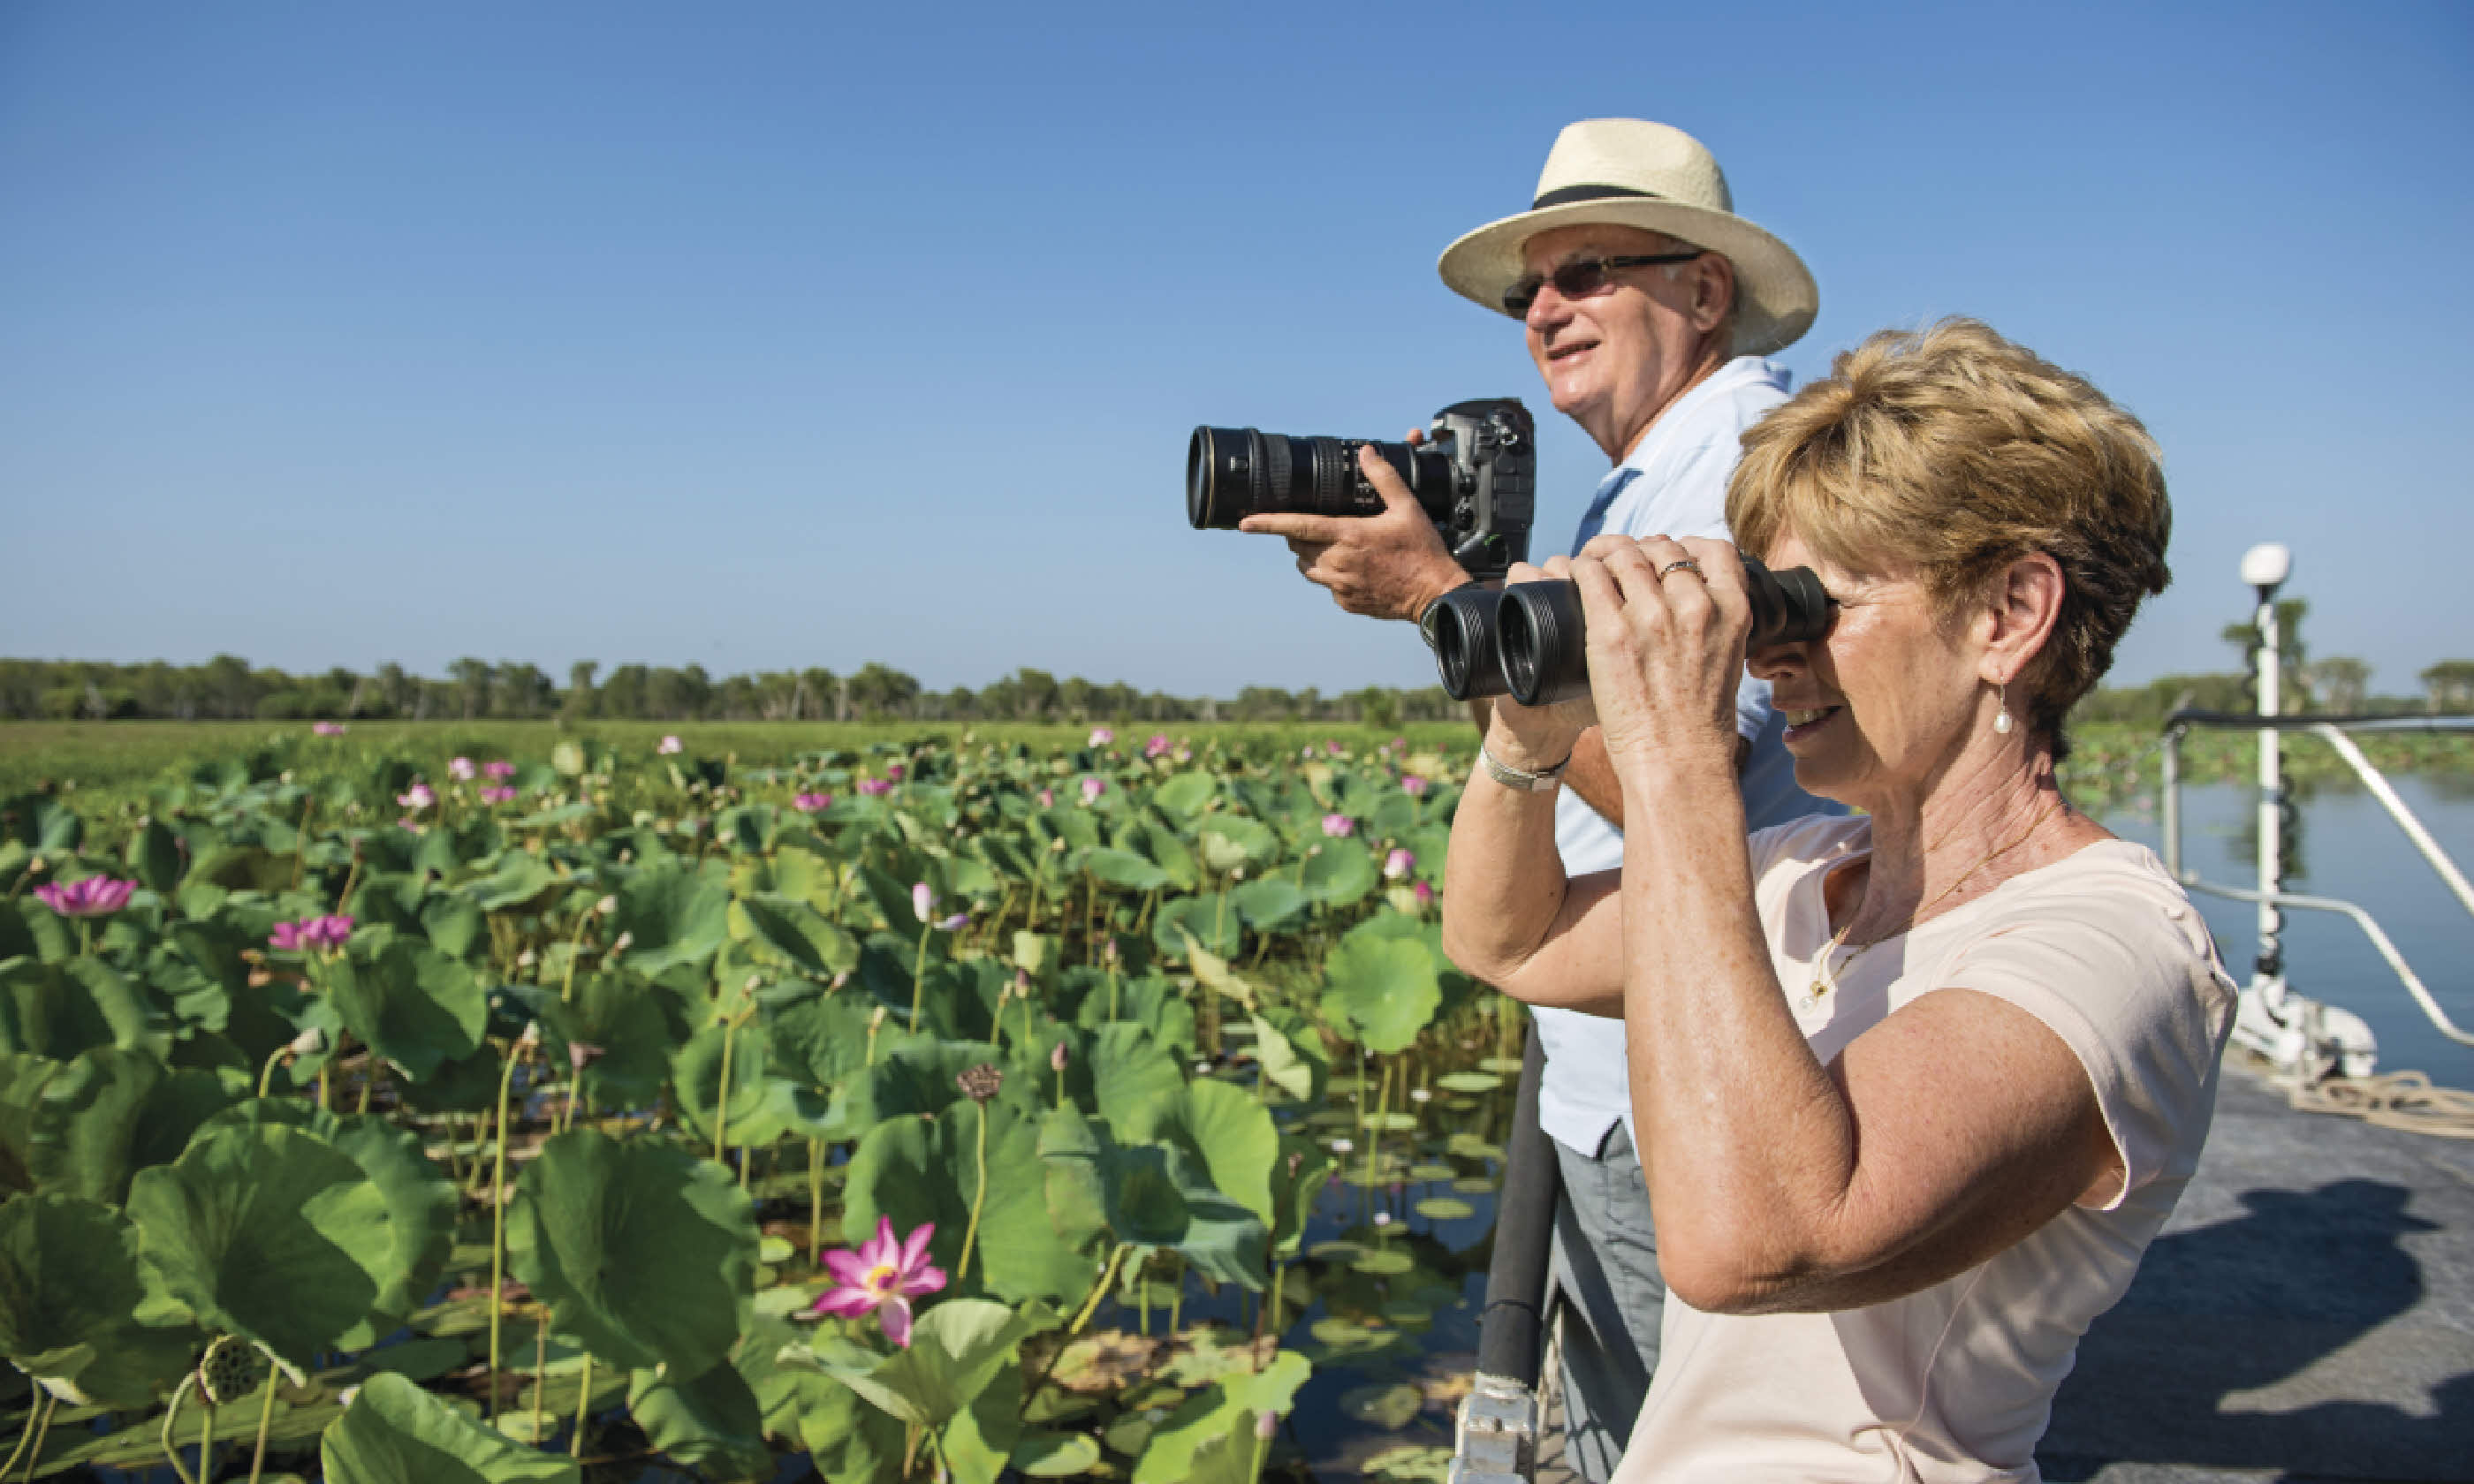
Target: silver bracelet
x: 1520, y: 779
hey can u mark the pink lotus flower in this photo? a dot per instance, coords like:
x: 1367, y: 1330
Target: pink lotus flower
x: 1093, y: 788
x: 874, y: 787
x: 286, y: 937
x: 1331, y: 747
x: 921, y: 900
x: 669, y: 745
x: 1184, y: 754
x: 460, y: 768
x: 500, y: 769
x: 1399, y: 863
x: 894, y: 771
x: 417, y: 798
x: 811, y: 803
x: 1425, y: 898
x: 95, y: 896
x: 327, y: 728
x: 882, y: 1277
x: 1102, y: 736
x: 327, y: 932
x: 497, y: 793
x: 1340, y: 827
x: 1157, y: 746
x: 1413, y: 785
x: 1047, y: 797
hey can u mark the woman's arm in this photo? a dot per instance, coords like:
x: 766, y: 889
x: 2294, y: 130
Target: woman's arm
x: 1943, y: 1135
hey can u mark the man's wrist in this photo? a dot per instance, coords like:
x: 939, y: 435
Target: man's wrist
x: 1445, y: 578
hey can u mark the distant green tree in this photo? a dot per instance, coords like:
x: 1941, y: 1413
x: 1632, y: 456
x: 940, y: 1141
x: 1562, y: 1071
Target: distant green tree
x: 2449, y: 686
x: 580, y: 702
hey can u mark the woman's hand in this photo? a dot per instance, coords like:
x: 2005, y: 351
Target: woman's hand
x: 1535, y: 737
x: 1666, y: 623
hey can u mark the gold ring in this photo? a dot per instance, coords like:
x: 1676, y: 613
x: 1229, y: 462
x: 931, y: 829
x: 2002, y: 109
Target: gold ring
x: 1674, y: 565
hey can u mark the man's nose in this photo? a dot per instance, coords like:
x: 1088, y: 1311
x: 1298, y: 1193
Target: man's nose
x: 1548, y: 309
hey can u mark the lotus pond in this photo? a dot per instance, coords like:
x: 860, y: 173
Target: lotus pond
x: 936, y: 1110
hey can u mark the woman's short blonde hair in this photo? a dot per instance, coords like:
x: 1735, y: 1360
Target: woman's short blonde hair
x: 1951, y: 453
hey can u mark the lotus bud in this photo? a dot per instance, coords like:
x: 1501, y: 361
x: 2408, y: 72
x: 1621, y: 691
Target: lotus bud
x: 841, y: 976
x: 526, y: 959
x: 1342, y: 1146
x: 1296, y: 1162
x: 1108, y: 949
x: 531, y: 1037
x: 754, y: 983
x: 1056, y: 1057
x: 921, y: 900
x: 1267, y: 1424
x: 625, y: 941
x: 1421, y: 1094
x: 981, y: 1082
x: 876, y: 1019
x: 308, y: 1043
x: 606, y: 905
x: 581, y: 1054
x: 1383, y: 1218
x: 1056, y: 846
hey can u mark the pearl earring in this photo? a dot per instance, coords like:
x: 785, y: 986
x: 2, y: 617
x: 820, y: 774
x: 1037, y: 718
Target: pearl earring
x: 2002, y: 699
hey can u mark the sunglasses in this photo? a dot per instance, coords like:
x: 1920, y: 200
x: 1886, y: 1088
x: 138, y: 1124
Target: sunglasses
x: 1580, y: 278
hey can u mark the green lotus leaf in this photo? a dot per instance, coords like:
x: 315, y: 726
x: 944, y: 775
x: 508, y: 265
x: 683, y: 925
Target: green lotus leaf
x: 411, y: 1004
x: 42, y: 823
x: 1212, y: 921
x: 643, y: 1251
x: 1225, y: 1128
x: 59, y: 1010
x: 848, y: 1439
x: 696, y: 1072
x: 71, y: 1292
x: 788, y: 933
x: 421, y: 1201
x: 1218, y: 1411
x: 1468, y: 1082
x: 1183, y: 797
x: 1386, y: 1407
x: 1381, y: 992
x: 822, y: 1041
x: 21, y: 1087
x: 109, y: 1113
x: 621, y: 1017
x: 1340, y: 873
x: 711, y: 1421
x: 393, y: 1432
x: 1154, y: 1196
x: 1146, y: 1000
x: 1056, y: 1455
x: 1035, y: 1243
x: 1129, y: 1071
x: 154, y: 856
x: 1230, y: 841
x: 518, y: 882
x: 268, y: 1232
x: 1292, y: 1053
x: 1270, y: 903
x: 671, y: 914
x: 1127, y: 869
x: 466, y: 1084
x: 957, y: 1348
x: 1184, y: 872
x: 455, y: 925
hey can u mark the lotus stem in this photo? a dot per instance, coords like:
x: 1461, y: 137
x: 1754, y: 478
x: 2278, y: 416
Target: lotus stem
x: 1262, y: 1447
x: 300, y: 840
x: 721, y: 1098
x: 583, y: 1410
x: 978, y: 1198
x: 206, y: 1442
x: 816, y: 1198
x: 1144, y: 920
x: 266, y: 1080
x: 1099, y: 1290
x: 1374, y: 1135
x: 351, y: 879
x: 265, y: 1422
x: 172, y: 1415
x: 540, y: 1370
x: 36, y: 1429
x: 919, y: 976
x: 1177, y: 1300
x: 499, y: 1223
x: 1279, y: 1280
x: 1090, y: 918
x: 86, y: 937
x: 369, y: 1081
x: 1143, y: 1303
x: 574, y: 950
x: 1112, y: 989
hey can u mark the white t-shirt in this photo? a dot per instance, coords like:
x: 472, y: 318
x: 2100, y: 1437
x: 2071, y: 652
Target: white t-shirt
x: 1672, y: 483
x: 1956, y: 1382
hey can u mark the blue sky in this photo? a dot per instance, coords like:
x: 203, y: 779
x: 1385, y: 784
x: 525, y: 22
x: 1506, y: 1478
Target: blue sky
x: 779, y: 335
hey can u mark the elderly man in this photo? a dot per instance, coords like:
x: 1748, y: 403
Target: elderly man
x: 1648, y: 305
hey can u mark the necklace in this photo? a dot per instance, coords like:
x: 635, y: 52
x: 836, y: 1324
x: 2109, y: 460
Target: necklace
x: 1825, y: 980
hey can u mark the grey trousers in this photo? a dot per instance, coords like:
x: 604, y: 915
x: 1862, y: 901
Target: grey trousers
x: 1609, y: 1295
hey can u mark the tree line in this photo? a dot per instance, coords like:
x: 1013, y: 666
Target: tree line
x: 229, y: 688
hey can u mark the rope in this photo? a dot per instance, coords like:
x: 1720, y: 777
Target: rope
x: 2393, y: 1100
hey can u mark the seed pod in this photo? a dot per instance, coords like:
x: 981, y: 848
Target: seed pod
x: 981, y: 1082
x: 232, y: 1369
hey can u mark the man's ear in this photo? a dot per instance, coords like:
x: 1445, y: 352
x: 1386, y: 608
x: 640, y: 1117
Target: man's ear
x: 1713, y: 290
x: 2019, y: 613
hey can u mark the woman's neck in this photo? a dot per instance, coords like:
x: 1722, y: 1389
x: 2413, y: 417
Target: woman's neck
x: 1979, y: 824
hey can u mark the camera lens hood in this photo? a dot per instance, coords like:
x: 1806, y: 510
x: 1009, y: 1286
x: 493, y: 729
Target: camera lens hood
x: 1463, y: 629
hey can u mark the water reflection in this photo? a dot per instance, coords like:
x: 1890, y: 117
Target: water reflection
x: 2353, y: 851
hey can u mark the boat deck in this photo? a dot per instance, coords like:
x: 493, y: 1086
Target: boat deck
x: 2307, y: 1316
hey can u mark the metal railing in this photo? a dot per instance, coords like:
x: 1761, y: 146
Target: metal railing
x: 2271, y: 897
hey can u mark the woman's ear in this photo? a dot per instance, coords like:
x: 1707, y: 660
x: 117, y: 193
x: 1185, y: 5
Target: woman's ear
x: 2020, y: 612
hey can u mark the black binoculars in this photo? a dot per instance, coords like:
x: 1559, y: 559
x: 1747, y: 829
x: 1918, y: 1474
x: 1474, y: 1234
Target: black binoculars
x: 1529, y: 640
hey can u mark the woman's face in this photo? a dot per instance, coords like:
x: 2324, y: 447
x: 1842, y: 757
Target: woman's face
x: 1878, y: 706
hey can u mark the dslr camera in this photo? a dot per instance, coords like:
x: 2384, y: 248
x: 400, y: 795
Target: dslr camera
x: 1476, y: 476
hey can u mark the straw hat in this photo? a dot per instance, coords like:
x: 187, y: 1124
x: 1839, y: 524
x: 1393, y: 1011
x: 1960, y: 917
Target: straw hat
x: 1633, y: 173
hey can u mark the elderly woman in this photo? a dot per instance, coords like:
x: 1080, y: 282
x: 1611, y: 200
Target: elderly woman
x: 1913, y: 1088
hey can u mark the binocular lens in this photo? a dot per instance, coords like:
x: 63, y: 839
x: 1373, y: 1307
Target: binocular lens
x: 1535, y: 647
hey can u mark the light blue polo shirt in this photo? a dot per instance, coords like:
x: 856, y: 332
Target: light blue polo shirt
x: 1673, y: 483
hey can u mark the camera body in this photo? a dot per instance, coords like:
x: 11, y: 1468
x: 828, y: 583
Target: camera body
x: 1476, y: 476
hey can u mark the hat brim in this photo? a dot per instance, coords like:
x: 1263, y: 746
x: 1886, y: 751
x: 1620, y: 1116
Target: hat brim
x: 1776, y: 297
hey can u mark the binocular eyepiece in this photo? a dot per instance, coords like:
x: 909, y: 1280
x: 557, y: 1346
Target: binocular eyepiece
x: 1530, y: 641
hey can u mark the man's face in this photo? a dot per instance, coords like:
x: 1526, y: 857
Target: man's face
x: 1614, y: 360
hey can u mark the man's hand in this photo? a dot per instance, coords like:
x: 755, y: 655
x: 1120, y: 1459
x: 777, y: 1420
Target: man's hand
x: 1388, y: 566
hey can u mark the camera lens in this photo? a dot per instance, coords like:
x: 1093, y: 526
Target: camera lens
x: 1465, y: 647
x: 1231, y: 474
